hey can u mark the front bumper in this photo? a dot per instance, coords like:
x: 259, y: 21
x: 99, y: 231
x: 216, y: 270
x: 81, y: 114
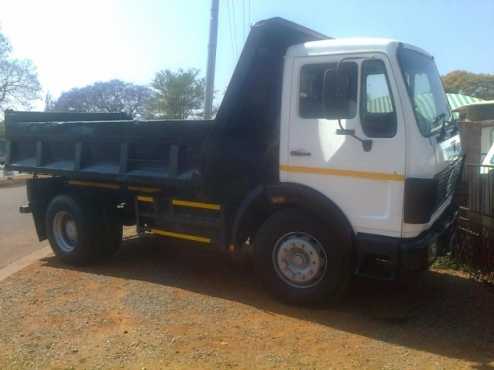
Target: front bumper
x: 386, y: 258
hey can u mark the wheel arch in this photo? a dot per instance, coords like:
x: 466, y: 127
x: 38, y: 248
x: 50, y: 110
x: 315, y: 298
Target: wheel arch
x: 263, y: 201
x: 41, y: 191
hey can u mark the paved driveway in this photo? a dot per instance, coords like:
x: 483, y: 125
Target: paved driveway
x: 17, y: 234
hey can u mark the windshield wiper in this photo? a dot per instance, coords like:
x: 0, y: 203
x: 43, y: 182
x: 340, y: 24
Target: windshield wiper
x: 439, y: 117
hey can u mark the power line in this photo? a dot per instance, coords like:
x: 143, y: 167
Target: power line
x: 211, y: 65
x: 244, y: 25
x: 234, y: 21
x: 250, y: 13
x: 230, y: 27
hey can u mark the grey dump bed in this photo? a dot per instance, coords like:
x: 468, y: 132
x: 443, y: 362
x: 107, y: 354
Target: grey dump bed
x: 105, y: 146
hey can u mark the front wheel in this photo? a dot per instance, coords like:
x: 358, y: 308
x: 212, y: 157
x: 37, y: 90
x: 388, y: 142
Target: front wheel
x: 301, y: 259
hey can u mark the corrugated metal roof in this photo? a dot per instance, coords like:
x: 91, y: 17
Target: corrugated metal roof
x: 459, y: 100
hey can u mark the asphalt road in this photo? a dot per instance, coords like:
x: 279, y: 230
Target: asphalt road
x: 17, y: 234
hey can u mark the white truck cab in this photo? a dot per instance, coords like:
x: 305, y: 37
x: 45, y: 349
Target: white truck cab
x: 381, y: 148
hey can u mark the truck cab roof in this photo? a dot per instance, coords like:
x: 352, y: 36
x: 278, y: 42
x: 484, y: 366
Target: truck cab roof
x: 349, y: 45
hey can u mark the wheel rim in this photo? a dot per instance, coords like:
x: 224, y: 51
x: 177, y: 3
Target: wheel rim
x: 65, y: 231
x: 299, y: 260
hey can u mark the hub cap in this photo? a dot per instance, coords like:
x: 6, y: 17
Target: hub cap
x: 65, y: 231
x: 299, y: 260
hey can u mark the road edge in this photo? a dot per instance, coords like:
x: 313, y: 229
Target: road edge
x: 23, y: 262
x: 14, y: 180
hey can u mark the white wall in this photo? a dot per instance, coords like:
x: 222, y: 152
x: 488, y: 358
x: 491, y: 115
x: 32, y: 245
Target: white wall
x: 485, y: 141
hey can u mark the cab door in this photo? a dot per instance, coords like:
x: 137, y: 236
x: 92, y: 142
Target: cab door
x: 366, y: 183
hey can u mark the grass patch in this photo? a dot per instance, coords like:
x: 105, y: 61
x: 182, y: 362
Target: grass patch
x: 449, y: 262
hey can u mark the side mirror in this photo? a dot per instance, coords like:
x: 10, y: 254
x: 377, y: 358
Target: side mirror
x: 335, y: 94
x: 338, y: 103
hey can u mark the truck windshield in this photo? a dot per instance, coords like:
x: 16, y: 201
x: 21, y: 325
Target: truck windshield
x: 425, y: 90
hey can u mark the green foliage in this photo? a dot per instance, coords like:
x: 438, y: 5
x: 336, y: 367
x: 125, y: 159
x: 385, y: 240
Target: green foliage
x: 19, y: 84
x: 450, y: 263
x: 479, y: 85
x: 178, y: 95
x: 110, y: 96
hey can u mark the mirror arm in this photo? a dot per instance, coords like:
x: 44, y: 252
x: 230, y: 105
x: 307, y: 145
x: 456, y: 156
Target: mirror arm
x: 366, y: 143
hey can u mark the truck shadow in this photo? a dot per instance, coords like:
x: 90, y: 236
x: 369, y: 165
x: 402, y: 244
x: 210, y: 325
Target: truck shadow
x: 443, y: 314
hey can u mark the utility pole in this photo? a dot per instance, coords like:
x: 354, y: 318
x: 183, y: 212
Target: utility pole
x: 213, y: 38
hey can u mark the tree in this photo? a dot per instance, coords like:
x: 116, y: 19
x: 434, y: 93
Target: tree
x: 479, y: 85
x: 178, y: 95
x: 110, y: 96
x: 19, y: 84
x: 2, y: 129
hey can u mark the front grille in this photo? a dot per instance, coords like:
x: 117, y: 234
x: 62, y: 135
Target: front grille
x: 446, y: 182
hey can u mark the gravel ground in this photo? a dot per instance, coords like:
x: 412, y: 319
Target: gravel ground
x: 158, y: 305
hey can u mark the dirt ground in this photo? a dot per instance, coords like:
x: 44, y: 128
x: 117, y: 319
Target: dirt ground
x: 158, y: 305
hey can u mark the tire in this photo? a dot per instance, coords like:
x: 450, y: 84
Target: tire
x: 79, y: 232
x: 307, y: 242
x: 83, y: 248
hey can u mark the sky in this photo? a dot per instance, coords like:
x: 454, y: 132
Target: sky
x: 77, y: 42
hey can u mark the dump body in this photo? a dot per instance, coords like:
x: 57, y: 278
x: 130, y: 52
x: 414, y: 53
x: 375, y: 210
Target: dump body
x: 77, y: 146
x: 241, y: 144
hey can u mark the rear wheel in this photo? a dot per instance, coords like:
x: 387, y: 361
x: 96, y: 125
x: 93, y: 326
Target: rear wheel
x: 301, y: 259
x: 79, y: 232
x: 65, y: 231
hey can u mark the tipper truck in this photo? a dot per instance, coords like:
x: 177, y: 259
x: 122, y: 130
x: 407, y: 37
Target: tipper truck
x: 327, y: 158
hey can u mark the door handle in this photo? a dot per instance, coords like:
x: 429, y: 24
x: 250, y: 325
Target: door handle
x: 300, y: 153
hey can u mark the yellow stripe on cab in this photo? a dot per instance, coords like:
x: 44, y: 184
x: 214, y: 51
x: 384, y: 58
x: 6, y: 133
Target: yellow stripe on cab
x: 378, y: 176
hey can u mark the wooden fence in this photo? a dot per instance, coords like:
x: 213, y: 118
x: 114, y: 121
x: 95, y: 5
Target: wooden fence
x: 475, y: 236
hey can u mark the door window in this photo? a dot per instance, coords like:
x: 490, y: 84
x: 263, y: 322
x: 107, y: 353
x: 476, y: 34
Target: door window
x: 378, y: 116
x: 311, y: 89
